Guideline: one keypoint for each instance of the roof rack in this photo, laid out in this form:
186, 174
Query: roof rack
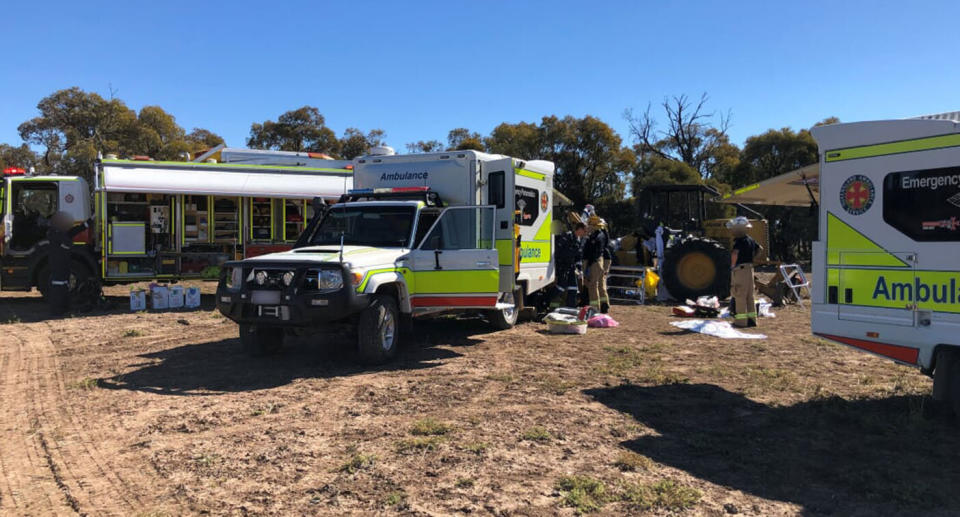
424, 194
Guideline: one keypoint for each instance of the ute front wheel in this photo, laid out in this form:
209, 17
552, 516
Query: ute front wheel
260, 340
378, 330
504, 319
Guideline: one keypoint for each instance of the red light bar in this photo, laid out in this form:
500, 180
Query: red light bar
14, 171
410, 189
348, 167
141, 158
320, 155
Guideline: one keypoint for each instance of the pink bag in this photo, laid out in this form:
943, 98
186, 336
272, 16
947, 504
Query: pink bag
602, 321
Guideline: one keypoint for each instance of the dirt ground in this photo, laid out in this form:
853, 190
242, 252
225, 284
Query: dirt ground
157, 414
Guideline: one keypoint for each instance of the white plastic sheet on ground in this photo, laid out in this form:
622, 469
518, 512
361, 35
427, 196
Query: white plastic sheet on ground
721, 329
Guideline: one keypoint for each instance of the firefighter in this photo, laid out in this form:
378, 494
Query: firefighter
60, 235
741, 265
569, 258
593, 259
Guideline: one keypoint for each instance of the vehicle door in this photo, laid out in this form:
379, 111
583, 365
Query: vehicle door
455, 266
498, 180
31, 205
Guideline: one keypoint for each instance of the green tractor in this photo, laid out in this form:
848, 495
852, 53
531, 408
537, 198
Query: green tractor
696, 257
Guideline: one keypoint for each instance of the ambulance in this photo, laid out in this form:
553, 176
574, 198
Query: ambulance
418, 235
887, 262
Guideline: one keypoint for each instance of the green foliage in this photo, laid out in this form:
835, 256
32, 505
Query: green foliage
301, 130
357, 462
632, 462
772, 153
430, 427
355, 143
425, 146
664, 494
74, 125
583, 493
537, 433
461, 139
22, 156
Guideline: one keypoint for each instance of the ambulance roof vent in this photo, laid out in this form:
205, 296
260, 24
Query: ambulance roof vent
381, 150
950, 115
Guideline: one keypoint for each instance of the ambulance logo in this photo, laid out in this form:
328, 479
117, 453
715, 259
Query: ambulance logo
543, 201
857, 194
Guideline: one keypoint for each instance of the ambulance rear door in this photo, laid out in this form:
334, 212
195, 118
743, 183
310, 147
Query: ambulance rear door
497, 180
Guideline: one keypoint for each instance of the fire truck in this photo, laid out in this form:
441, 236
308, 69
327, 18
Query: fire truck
160, 220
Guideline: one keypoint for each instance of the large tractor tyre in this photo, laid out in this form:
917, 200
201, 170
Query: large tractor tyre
504, 319
378, 330
80, 283
261, 340
697, 267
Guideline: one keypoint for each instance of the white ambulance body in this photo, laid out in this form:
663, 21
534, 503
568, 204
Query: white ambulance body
887, 263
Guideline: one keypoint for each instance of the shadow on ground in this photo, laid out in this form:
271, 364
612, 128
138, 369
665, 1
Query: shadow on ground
831, 456
32, 308
220, 366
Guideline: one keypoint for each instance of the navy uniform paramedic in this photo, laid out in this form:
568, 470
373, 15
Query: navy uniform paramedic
741, 263
593, 257
60, 235
569, 257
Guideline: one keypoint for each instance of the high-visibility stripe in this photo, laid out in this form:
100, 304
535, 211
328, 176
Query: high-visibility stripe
848, 247
900, 353
902, 146
453, 301
534, 252
938, 291
505, 251
530, 174
370, 273
545, 230
455, 281
742, 190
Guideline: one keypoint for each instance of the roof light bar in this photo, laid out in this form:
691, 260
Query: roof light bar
14, 171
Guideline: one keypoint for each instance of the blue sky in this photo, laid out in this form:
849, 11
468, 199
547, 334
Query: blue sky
418, 69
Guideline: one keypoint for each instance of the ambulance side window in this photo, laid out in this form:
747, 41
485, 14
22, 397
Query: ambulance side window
924, 205
462, 228
496, 189
423, 226
528, 203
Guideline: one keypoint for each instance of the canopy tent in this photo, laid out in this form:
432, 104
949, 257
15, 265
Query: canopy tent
560, 200
224, 179
799, 187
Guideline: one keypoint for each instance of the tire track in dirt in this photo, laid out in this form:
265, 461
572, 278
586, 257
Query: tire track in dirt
30, 487
65, 453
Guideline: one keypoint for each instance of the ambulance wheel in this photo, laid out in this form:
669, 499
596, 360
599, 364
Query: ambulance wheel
505, 318
378, 330
259, 340
696, 267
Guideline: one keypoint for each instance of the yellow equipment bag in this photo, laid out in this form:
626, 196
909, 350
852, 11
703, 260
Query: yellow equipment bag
650, 281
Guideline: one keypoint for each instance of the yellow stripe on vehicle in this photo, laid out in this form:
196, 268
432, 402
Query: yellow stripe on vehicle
534, 252
530, 174
848, 247
938, 291
545, 230
504, 252
455, 282
903, 146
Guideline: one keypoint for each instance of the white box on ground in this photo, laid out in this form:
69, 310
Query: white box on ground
159, 297
192, 297
176, 297
138, 300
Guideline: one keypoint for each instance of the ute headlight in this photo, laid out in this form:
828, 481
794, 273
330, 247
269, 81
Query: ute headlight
260, 277
329, 279
287, 278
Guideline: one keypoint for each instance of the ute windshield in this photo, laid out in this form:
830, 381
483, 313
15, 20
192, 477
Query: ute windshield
377, 226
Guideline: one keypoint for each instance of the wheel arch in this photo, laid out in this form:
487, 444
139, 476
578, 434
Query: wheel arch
391, 284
